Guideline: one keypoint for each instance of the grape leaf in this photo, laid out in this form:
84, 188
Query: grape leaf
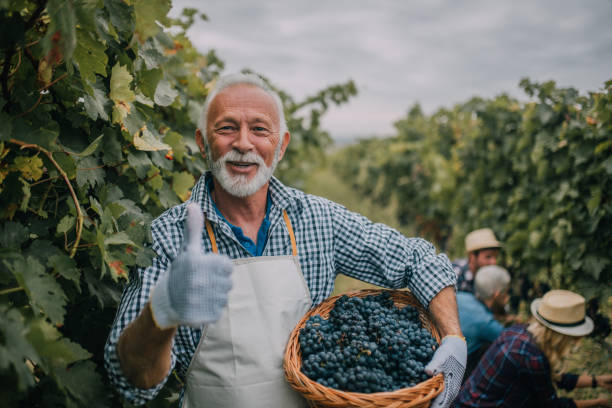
164, 93
175, 141
182, 183
148, 80
29, 166
12, 234
62, 27
167, 197
119, 238
120, 90
54, 350
148, 142
140, 162
594, 265
84, 384
65, 266
146, 14
89, 172
96, 105
66, 163
14, 348
90, 56
111, 147
42, 290
151, 53
65, 224
120, 14
89, 150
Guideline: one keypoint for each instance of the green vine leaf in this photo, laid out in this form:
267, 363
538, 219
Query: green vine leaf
90, 56
97, 103
12, 234
164, 93
147, 142
54, 350
14, 348
43, 291
147, 14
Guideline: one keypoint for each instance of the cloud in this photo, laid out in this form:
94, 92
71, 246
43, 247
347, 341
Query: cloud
436, 52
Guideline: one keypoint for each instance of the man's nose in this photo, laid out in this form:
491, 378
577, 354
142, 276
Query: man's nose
243, 142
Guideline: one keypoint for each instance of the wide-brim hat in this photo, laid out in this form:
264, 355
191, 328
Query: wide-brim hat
564, 312
481, 239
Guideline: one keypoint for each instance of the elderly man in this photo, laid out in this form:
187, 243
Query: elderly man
482, 248
286, 248
475, 311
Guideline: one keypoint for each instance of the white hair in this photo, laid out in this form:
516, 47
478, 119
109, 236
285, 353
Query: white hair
235, 79
490, 279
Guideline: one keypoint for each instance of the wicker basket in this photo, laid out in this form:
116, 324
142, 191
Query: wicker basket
318, 395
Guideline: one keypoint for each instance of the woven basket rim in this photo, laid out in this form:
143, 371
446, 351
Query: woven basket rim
319, 395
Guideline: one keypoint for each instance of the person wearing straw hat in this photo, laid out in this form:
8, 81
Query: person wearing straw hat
519, 368
240, 263
482, 248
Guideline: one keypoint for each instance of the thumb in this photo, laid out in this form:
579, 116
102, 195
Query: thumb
194, 222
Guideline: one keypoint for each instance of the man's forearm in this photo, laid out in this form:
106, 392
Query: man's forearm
145, 351
443, 308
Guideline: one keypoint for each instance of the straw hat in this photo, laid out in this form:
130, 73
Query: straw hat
564, 312
481, 239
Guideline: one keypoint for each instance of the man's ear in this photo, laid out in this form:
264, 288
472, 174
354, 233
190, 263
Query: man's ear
199, 138
285, 143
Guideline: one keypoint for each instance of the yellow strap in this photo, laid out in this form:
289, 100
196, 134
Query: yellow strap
211, 235
291, 235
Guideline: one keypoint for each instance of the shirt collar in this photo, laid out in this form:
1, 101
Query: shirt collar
281, 197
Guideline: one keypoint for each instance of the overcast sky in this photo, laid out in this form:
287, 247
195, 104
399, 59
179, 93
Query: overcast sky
435, 52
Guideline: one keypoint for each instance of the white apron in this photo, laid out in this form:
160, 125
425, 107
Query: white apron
239, 360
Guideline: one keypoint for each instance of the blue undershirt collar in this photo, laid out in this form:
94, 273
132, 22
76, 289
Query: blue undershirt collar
246, 242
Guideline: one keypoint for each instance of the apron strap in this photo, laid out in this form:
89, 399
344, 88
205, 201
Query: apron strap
291, 235
213, 241
211, 235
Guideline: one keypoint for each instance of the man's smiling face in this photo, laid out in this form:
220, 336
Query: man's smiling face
244, 144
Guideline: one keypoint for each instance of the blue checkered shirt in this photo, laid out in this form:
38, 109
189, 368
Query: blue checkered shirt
330, 240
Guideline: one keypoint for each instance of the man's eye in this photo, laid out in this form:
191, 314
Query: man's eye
260, 130
225, 129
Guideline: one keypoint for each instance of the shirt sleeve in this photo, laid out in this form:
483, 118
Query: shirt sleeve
490, 329
378, 254
543, 391
568, 381
133, 300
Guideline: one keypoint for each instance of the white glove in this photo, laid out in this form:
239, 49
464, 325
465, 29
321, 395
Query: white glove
194, 289
450, 359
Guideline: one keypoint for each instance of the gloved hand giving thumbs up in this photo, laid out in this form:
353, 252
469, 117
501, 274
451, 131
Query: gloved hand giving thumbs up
193, 291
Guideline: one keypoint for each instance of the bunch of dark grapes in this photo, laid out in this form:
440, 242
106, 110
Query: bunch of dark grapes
366, 345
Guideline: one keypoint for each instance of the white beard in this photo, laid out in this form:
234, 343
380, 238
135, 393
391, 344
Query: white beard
239, 185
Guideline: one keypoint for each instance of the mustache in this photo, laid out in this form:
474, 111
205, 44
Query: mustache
249, 157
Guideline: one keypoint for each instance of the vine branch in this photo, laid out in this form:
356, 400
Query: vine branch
79, 221
10, 290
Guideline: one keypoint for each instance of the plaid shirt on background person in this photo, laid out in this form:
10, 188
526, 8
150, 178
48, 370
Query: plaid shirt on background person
514, 373
330, 240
